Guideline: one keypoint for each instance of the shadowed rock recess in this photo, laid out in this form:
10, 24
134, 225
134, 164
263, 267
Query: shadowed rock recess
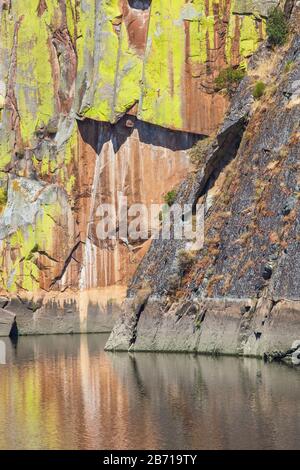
100, 100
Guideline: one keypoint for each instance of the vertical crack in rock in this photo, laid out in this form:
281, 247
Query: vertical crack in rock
11, 100
66, 264
42, 7
136, 322
67, 62
14, 333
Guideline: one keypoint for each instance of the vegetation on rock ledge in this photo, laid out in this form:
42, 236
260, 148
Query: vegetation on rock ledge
259, 90
229, 79
277, 27
3, 198
199, 150
170, 197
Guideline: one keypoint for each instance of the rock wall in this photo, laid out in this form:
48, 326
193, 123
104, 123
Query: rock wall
240, 294
7, 322
97, 101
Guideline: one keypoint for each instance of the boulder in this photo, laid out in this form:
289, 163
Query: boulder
7, 322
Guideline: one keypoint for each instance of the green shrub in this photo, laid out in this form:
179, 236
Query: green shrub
277, 27
3, 198
229, 78
259, 90
289, 66
170, 197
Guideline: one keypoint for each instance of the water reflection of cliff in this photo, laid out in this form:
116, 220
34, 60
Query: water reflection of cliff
65, 392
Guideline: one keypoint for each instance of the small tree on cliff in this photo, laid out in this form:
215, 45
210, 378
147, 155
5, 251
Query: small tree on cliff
229, 79
277, 27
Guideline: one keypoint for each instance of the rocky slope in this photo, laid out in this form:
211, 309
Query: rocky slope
100, 99
240, 293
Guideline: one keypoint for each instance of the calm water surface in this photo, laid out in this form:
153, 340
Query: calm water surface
65, 392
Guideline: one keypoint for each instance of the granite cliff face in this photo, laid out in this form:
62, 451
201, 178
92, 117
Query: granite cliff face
240, 293
97, 100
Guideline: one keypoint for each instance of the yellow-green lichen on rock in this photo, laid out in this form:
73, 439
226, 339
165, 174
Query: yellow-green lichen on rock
29, 227
196, 30
34, 82
177, 31
3, 197
117, 68
164, 65
112, 75
100, 96
65, 60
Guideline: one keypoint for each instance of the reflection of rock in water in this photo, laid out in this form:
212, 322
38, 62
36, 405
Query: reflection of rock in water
211, 402
68, 393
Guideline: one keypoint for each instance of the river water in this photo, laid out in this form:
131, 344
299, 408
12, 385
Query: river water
65, 392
